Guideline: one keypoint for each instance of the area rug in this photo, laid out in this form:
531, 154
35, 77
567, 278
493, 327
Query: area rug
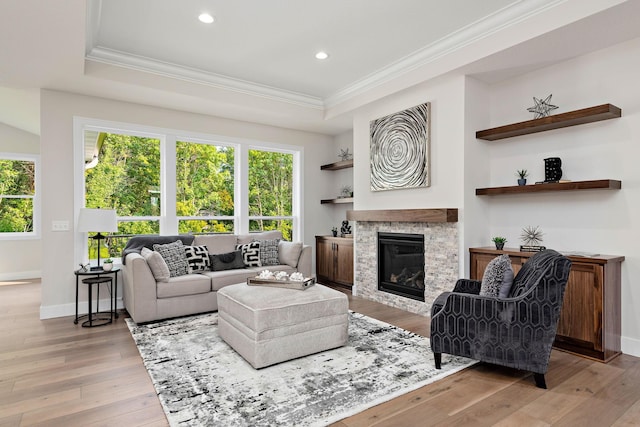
201, 381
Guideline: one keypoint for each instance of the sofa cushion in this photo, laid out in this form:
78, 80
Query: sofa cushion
217, 243
228, 261
156, 263
265, 235
189, 284
220, 279
174, 256
198, 258
289, 253
250, 254
269, 252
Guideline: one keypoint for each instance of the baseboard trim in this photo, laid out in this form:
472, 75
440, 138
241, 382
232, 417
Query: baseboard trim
64, 310
21, 275
630, 346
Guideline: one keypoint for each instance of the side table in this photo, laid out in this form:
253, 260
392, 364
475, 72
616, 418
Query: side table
97, 277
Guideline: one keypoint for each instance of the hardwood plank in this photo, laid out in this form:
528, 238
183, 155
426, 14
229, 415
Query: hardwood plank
98, 379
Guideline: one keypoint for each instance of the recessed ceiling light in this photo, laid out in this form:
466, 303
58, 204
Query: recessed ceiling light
322, 55
206, 18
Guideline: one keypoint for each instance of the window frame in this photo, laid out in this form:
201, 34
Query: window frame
168, 141
36, 233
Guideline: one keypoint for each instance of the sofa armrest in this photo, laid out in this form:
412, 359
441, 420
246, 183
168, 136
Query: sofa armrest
304, 262
140, 290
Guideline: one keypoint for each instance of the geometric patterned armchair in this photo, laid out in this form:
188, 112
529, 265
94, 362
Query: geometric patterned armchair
517, 331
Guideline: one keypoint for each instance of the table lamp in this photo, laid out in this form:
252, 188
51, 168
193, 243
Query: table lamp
97, 220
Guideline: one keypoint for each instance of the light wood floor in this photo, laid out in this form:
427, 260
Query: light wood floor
53, 372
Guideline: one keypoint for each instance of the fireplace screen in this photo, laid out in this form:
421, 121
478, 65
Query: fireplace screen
401, 264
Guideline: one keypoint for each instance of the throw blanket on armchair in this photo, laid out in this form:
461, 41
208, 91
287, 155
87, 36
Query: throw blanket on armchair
136, 243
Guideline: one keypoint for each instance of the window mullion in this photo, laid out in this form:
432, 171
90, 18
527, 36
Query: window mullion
168, 220
241, 200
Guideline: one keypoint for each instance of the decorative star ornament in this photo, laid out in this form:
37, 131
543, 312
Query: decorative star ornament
531, 235
542, 108
346, 155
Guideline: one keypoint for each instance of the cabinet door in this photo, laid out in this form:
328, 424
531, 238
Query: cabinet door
344, 263
324, 259
581, 315
479, 263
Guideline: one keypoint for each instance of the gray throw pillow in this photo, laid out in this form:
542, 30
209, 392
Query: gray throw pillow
250, 254
228, 261
289, 253
269, 252
494, 276
157, 265
173, 254
198, 258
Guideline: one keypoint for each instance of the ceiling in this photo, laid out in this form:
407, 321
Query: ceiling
256, 61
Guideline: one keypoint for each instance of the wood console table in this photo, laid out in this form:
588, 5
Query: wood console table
589, 322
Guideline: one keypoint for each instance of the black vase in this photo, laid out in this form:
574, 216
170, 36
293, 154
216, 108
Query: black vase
552, 169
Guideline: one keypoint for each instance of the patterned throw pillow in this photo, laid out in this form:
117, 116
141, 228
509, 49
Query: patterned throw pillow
250, 254
197, 257
494, 276
269, 252
228, 261
173, 254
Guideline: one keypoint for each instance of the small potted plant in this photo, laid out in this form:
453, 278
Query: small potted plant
522, 176
334, 231
499, 241
107, 264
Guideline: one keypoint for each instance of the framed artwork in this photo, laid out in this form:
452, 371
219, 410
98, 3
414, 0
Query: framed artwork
399, 149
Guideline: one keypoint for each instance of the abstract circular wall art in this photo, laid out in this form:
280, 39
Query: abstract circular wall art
400, 149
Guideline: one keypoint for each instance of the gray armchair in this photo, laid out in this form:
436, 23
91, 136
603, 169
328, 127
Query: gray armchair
517, 331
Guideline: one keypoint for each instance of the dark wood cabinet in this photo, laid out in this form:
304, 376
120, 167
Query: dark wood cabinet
590, 321
334, 260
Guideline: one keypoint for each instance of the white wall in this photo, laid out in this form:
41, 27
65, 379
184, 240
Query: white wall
57, 112
598, 221
19, 259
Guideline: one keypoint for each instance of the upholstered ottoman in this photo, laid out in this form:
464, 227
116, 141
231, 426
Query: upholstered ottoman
268, 325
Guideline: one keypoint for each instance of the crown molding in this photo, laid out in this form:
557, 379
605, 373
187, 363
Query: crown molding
473, 32
139, 63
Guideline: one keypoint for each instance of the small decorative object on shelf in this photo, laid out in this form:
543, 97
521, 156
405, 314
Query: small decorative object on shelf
346, 191
345, 230
531, 237
499, 241
107, 265
542, 107
552, 169
522, 176
345, 154
334, 231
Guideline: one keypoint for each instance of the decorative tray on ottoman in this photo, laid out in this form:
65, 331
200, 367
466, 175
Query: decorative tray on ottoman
284, 282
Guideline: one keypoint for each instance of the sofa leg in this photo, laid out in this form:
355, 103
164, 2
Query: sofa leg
540, 382
437, 357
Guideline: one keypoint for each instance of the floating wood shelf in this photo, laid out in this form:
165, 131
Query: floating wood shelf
337, 165
405, 215
338, 200
601, 184
571, 118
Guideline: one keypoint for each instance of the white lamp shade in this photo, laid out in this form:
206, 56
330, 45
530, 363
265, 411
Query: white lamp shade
97, 220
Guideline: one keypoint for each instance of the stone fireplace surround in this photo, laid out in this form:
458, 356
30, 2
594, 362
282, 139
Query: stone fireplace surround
440, 230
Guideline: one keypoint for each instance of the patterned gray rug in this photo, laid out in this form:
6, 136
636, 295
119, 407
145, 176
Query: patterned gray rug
201, 381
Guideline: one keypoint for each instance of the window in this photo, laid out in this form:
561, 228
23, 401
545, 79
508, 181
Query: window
204, 188
18, 196
162, 183
122, 172
271, 191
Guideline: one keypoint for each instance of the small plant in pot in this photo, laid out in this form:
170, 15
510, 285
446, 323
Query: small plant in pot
522, 176
334, 231
107, 264
499, 242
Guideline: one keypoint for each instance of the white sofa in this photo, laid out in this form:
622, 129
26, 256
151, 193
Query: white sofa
147, 300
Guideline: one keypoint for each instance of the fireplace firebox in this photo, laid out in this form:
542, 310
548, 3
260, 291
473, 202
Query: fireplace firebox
401, 264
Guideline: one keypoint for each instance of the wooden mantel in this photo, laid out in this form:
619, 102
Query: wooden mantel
405, 215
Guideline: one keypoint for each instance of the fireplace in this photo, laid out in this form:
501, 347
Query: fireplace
401, 264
